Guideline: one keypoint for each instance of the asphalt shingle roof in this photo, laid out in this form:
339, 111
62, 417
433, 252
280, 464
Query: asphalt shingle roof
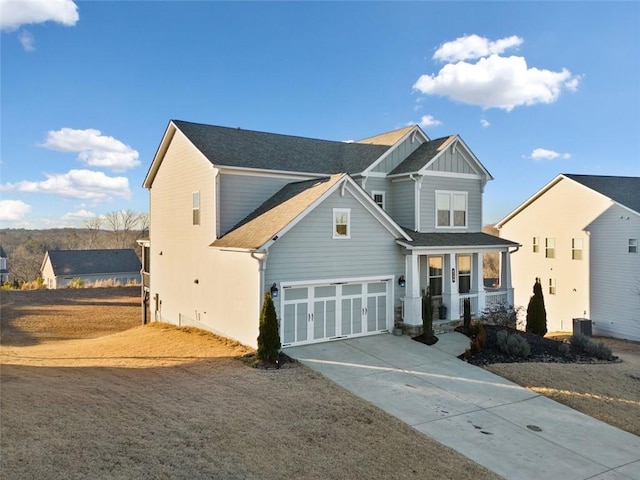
275, 213
623, 190
235, 147
91, 262
421, 156
472, 239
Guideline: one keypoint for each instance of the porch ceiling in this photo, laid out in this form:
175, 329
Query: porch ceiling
462, 239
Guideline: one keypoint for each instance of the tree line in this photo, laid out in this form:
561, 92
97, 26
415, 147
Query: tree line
25, 248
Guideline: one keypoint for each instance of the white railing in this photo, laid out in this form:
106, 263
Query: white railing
493, 298
474, 303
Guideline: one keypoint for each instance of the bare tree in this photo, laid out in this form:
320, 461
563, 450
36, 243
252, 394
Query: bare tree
93, 225
143, 224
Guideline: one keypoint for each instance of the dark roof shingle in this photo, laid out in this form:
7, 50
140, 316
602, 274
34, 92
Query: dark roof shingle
622, 190
91, 262
420, 157
235, 147
471, 239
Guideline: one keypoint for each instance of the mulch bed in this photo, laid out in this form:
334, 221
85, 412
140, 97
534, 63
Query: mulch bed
543, 349
284, 361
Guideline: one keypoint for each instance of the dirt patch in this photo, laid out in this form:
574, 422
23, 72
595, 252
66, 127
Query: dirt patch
88, 393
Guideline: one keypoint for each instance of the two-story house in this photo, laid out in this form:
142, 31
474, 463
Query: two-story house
346, 236
580, 236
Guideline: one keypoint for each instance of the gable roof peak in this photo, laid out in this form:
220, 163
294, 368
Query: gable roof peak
392, 137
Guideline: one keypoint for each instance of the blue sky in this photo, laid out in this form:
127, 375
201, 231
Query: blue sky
87, 88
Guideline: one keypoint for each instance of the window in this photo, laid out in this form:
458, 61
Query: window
464, 273
378, 197
576, 249
633, 245
341, 223
435, 275
196, 208
451, 209
550, 247
552, 286
536, 244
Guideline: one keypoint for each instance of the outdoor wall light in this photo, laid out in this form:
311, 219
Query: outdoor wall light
402, 281
274, 291
453, 275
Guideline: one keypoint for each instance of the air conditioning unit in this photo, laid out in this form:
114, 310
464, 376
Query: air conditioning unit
582, 325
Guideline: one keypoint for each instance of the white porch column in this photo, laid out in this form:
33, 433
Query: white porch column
412, 298
505, 275
450, 287
478, 271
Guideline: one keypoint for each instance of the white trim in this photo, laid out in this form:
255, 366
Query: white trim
394, 147
436, 173
384, 197
451, 225
450, 249
341, 211
261, 172
375, 174
457, 141
334, 281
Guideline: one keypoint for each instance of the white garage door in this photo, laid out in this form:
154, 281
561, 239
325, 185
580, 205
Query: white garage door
321, 312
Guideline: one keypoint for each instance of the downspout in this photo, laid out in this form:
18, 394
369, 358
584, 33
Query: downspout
416, 200
262, 267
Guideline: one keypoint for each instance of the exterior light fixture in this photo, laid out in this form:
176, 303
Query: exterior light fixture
402, 281
453, 275
274, 291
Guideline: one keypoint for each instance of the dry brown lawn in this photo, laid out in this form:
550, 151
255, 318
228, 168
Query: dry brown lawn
86, 392
607, 391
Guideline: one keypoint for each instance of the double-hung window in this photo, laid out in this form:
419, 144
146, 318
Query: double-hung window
576, 249
435, 275
464, 273
451, 209
550, 247
341, 223
633, 245
378, 197
536, 244
196, 208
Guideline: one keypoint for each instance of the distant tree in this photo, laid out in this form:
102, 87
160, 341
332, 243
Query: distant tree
143, 224
94, 225
536, 312
268, 337
122, 223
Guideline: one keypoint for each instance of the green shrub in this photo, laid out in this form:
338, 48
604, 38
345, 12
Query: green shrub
513, 344
598, 350
536, 312
564, 349
501, 315
269, 337
427, 315
467, 314
579, 340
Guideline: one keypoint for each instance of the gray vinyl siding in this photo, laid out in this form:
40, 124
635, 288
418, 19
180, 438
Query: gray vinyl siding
308, 252
402, 203
428, 202
452, 162
242, 194
398, 155
615, 277
379, 184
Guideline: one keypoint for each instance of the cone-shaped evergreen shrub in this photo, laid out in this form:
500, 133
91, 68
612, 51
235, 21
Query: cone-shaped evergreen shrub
427, 315
536, 313
268, 338
466, 314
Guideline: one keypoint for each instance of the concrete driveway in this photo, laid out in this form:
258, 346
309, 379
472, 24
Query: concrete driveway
510, 430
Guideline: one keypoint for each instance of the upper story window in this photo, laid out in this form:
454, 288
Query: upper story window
576, 249
378, 197
536, 244
633, 245
341, 223
196, 208
550, 247
451, 209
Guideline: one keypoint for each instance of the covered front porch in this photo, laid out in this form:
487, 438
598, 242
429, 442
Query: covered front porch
451, 266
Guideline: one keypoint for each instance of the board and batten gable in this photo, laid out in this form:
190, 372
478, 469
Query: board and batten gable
240, 194
308, 252
402, 202
561, 213
193, 284
399, 153
432, 184
453, 160
615, 274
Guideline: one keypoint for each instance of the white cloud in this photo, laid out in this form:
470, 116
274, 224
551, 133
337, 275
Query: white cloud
545, 154
13, 210
81, 214
484, 122
474, 46
27, 41
14, 13
429, 121
83, 184
93, 148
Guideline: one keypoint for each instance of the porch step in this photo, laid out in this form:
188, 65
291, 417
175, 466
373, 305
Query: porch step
445, 326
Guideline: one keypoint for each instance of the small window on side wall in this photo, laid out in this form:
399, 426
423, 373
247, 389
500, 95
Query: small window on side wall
552, 286
378, 197
550, 247
196, 208
341, 223
536, 244
633, 245
576, 249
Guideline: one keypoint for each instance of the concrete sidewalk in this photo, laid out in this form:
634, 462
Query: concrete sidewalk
510, 430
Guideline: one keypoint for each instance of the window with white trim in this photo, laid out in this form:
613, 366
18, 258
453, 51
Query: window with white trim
378, 197
464, 273
550, 247
196, 208
633, 245
552, 286
451, 209
576, 249
341, 223
536, 244
435, 275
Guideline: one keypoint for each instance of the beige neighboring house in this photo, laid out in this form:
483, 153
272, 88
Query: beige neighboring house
579, 235
60, 268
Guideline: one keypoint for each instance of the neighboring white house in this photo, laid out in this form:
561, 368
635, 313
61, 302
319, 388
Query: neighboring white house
580, 236
60, 268
345, 236
4, 272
